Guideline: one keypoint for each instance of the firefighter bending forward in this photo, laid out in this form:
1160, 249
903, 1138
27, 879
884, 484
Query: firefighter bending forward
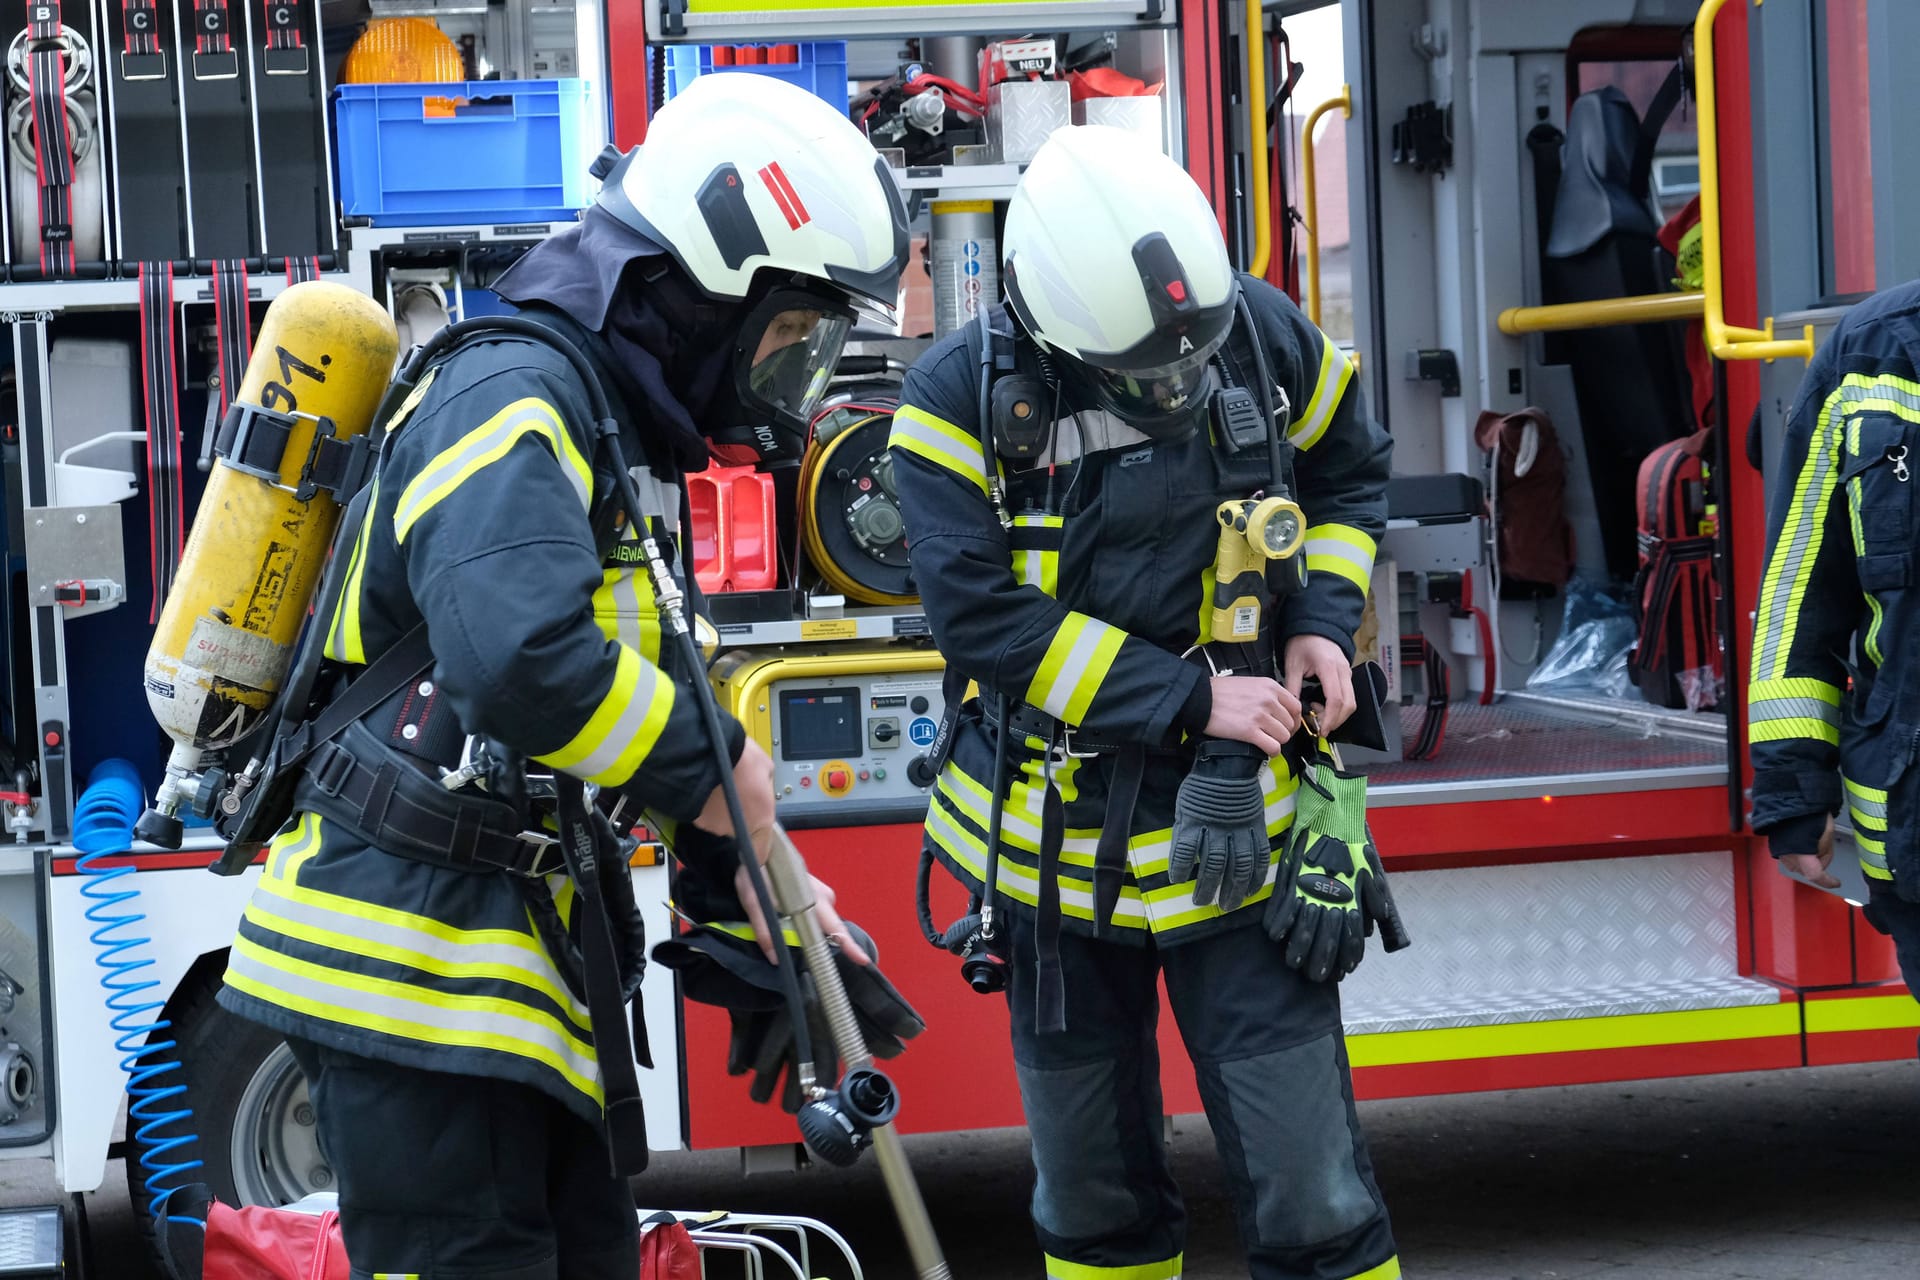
433, 995
1069, 584
1839, 601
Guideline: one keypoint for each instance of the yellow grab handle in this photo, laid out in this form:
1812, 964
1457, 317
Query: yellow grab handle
1309, 196
1726, 341
1262, 175
1600, 313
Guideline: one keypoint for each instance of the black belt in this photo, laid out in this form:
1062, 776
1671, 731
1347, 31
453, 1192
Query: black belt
399, 810
53, 142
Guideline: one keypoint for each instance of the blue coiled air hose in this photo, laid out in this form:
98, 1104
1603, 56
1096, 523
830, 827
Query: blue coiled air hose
103, 828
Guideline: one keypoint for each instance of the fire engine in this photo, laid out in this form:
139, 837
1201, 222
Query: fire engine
1475, 213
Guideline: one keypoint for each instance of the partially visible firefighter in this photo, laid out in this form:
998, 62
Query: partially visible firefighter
1075, 470
419, 942
1833, 709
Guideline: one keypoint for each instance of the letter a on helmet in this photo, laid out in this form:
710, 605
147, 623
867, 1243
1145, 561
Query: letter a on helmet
1113, 259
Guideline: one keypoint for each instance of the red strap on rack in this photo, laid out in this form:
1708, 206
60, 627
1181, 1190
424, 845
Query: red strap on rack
159, 383
232, 325
286, 52
299, 269
211, 31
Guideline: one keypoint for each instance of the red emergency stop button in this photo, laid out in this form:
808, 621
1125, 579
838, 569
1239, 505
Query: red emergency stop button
836, 778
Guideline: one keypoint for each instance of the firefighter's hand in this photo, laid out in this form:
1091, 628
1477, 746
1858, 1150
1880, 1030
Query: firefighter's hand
1254, 710
1812, 867
753, 777
823, 911
1322, 659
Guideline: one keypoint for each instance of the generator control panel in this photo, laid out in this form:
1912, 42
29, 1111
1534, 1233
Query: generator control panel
849, 733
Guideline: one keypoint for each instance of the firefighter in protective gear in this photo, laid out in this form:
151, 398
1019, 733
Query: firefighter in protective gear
430, 983
1833, 707
1069, 585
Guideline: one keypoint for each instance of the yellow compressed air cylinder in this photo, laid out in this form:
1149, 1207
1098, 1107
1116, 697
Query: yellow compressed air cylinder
253, 558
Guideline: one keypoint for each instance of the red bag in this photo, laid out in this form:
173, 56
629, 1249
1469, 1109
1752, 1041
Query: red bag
667, 1251
258, 1243
1677, 661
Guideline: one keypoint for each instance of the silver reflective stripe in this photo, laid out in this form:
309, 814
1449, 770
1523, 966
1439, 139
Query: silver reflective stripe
536, 417
1086, 433
459, 1021
1794, 709
1021, 883
620, 735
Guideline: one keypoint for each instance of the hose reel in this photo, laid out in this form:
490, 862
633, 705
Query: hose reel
850, 521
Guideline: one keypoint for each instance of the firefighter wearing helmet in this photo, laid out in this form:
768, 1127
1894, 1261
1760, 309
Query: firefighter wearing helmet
1117, 799
426, 963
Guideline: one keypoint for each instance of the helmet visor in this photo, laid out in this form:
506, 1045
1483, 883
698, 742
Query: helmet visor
1161, 392
791, 355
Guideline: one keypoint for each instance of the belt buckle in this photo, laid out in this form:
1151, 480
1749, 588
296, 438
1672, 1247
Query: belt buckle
542, 844
1066, 746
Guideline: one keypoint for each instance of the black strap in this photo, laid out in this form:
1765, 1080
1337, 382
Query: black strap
160, 384
1110, 854
391, 803
232, 325
625, 1121
302, 269
1664, 101
52, 140
1050, 984
213, 54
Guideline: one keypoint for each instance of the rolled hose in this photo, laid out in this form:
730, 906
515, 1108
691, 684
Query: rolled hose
103, 828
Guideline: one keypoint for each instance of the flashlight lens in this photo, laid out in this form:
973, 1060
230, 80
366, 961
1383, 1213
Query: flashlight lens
1279, 531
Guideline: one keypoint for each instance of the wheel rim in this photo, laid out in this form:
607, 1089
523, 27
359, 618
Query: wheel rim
275, 1153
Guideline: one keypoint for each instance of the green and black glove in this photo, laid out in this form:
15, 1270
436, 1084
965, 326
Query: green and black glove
721, 964
1331, 889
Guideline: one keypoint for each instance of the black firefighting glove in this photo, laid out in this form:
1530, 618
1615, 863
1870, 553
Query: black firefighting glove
1331, 889
1220, 824
721, 964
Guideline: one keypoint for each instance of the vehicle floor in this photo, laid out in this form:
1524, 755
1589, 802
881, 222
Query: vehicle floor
1805, 1174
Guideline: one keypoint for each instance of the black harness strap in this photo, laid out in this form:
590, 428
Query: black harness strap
584, 845
232, 326
52, 140
159, 381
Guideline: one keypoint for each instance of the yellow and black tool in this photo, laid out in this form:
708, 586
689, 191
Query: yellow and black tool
1255, 534
226, 636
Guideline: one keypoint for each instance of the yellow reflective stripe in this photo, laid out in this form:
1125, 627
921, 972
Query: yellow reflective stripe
744, 932
1076, 664
623, 728
293, 847
1790, 566
1061, 1269
1388, 1270
1793, 729
1038, 566
1863, 1013
624, 609
1328, 388
405, 949
1865, 824
1793, 707
1019, 882
1872, 642
1019, 818
486, 444
344, 642
396, 1275
941, 443
1341, 549
412, 1013
1624, 1031
1871, 800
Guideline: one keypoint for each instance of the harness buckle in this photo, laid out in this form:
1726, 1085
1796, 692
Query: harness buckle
543, 846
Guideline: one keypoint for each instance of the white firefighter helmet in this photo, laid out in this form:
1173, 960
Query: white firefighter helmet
743, 174
1114, 260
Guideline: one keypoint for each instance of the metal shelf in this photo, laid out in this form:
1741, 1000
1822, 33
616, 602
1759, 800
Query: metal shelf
378, 239
962, 181
727, 21
52, 297
849, 625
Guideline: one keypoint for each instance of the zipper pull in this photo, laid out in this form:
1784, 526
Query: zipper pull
1897, 455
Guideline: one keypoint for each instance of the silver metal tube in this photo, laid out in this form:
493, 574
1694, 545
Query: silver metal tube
793, 893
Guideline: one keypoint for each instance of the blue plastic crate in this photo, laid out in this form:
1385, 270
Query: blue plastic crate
510, 151
821, 70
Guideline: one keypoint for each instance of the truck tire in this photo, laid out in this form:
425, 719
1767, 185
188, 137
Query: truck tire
256, 1138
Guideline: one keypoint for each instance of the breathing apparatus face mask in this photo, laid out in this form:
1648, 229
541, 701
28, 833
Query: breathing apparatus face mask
784, 357
1164, 401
